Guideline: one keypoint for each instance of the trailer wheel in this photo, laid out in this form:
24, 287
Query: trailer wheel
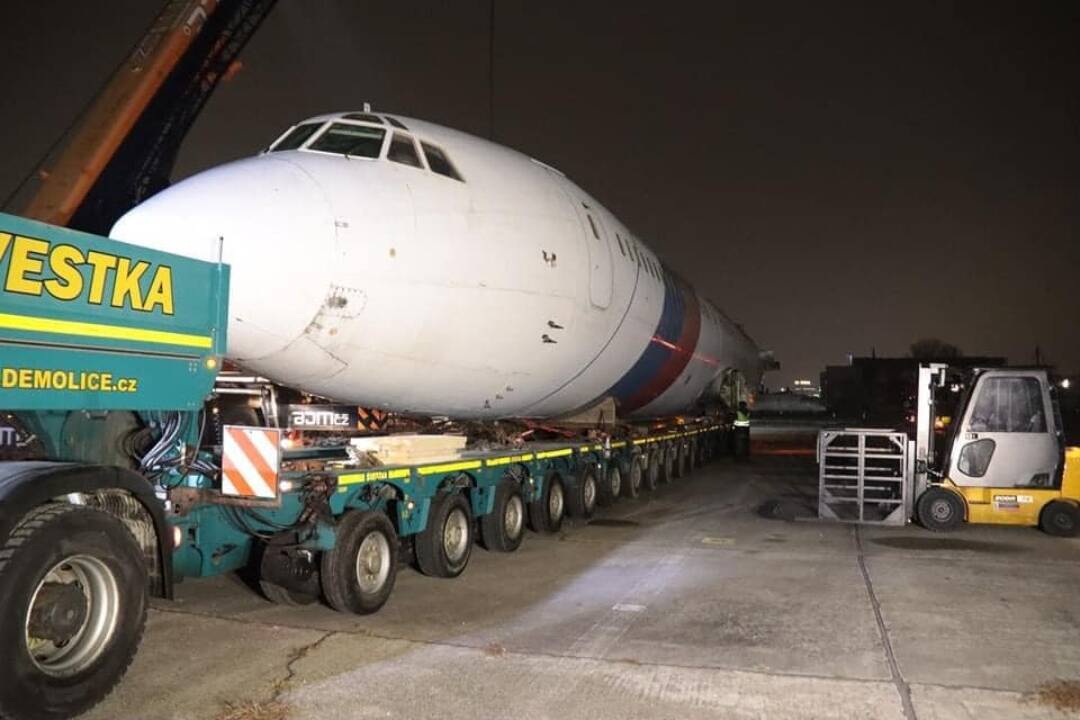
940, 510
1060, 519
667, 468
632, 487
608, 491
581, 501
546, 513
358, 574
444, 547
503, 529
678, 453
651, 478
73, 598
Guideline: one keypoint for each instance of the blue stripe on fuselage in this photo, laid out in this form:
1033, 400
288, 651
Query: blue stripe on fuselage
655, 354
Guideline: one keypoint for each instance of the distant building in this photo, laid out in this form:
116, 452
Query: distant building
881, 391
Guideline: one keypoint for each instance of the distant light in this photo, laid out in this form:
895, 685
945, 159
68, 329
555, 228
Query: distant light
803, 383
1066, 383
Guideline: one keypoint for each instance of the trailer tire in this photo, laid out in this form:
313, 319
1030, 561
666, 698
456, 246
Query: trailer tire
940, 510
679, 458
98, 572
546, 513
581, 500
667, 468
609, 490
1060, 519
358, 573
284, 596
444, 547
632, 487
503, 529
651, 477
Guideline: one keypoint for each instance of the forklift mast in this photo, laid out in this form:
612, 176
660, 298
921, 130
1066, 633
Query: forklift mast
123, 148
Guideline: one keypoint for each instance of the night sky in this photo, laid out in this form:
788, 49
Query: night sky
836, 176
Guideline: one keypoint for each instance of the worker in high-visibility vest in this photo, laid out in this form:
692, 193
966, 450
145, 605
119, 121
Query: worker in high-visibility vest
741, 431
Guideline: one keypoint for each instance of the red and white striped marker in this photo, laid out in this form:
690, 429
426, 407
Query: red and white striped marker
251, 459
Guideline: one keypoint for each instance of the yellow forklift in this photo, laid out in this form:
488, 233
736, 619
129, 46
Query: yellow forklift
988, 447
1004, 460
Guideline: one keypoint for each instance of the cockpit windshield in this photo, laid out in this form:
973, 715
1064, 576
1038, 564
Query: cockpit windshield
296, 137
352, 140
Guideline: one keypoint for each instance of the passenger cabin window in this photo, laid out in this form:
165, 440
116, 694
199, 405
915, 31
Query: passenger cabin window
363, 117
1009, 404
296, 137
403, 150
351, 140
622, 248
396, 123
440, 163
592, 224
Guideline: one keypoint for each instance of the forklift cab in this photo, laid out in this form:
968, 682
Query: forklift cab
1005, 462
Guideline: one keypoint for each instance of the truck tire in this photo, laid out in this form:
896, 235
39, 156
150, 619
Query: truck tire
358, 573
581, 500
445, 545
678, 453
692, 457
632, 487
546, 513
284, 596
503, 529
1060, 519
608, 492
651, 477
73, 598
940, 510
667, 464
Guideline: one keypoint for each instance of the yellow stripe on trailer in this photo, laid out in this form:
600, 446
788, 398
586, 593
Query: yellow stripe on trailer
372, 476
96, 330
449, 467
508, 460
619, 444
554, 453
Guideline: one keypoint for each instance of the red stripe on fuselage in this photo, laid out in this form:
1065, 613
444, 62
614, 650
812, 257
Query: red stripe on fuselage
680, 357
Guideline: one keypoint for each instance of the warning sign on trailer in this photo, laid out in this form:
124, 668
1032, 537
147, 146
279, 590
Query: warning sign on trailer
250, 462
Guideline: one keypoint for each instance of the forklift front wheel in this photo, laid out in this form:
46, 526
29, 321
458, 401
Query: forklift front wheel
940, 510
1060, 518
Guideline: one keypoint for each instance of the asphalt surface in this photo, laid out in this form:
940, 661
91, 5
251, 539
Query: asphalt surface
687, 603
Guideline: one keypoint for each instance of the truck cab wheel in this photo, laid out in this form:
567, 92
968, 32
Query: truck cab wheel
546, 513
73, 598
503, 529
358, 574
940, 510
444, 547
581, 500
632, 487
608, 491
1059, 518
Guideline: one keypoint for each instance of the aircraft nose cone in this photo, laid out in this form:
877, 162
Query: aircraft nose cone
270, 222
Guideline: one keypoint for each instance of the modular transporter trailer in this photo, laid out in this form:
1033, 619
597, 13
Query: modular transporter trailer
113, 487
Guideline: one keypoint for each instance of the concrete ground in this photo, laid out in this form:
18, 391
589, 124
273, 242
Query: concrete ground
684, 604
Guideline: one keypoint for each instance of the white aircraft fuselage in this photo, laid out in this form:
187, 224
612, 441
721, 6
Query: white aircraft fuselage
421, 269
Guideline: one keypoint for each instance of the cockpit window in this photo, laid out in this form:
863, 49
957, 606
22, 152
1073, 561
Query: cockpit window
439, 163
363, 117
296, 137
396, 123
351, 140
403, 150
